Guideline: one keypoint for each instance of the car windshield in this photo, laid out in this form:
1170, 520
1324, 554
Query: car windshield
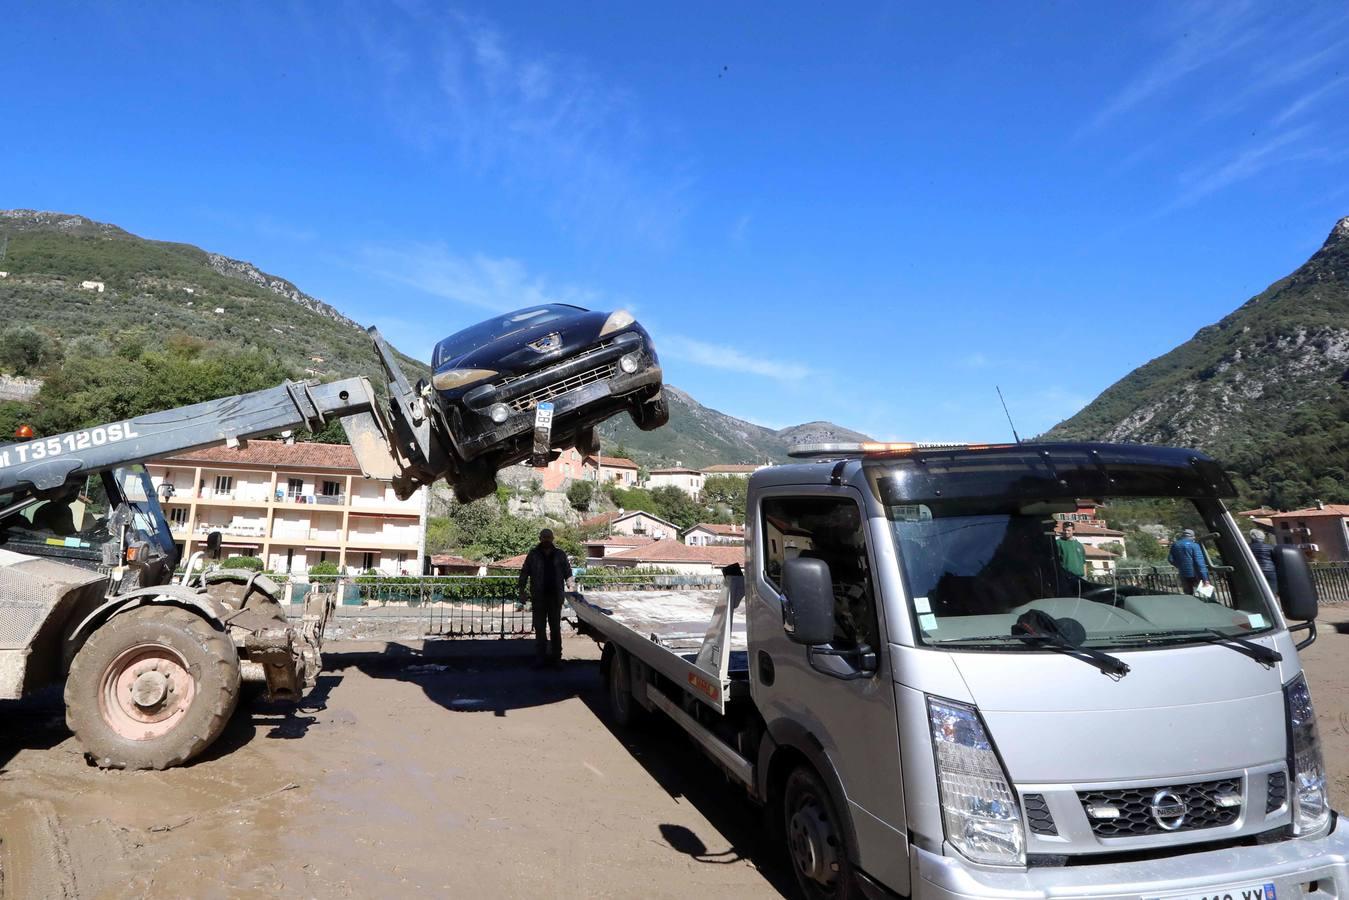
1112, 572
456, 345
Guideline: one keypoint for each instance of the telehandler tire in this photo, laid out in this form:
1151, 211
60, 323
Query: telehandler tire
151, 689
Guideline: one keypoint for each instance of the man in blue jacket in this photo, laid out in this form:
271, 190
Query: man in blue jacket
1188, 558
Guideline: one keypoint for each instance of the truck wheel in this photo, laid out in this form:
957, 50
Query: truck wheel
652, 414
814, 834
621, 702
151, 689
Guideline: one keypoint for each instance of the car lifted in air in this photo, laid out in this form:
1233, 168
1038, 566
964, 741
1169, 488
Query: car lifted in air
513, 386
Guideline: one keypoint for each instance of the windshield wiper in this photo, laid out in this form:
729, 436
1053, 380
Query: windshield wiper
1259, 652
1047, 634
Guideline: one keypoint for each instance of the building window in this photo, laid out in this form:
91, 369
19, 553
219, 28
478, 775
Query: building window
294, 487
367, 561
178, 515
224, 484
332, 489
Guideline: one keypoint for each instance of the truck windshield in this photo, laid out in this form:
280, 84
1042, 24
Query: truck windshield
1113, 572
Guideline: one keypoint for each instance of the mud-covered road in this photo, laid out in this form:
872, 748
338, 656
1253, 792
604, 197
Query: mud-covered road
423, 771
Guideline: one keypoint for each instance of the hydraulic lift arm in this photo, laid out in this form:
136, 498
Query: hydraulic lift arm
385, 447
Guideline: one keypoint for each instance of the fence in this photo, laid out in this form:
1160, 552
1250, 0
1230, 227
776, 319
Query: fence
1331, 578
464, 605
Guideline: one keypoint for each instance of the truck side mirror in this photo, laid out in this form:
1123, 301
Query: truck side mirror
1297, 588
808, 613
213, 544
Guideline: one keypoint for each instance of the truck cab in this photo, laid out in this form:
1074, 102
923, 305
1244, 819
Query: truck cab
980, 714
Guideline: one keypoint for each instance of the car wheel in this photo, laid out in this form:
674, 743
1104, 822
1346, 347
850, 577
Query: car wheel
476, 479
652, 414
815, 844
587, 442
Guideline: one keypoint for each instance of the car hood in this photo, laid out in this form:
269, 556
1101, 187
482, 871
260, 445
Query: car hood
511, 354
1180, 710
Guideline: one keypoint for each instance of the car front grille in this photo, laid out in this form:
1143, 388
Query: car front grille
526, 402
1276, 792
1039, 818
1128, 812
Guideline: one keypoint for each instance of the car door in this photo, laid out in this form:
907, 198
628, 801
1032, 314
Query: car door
839, 696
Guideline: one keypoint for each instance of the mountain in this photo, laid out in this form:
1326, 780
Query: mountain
698, 436
1266, 389
153, 290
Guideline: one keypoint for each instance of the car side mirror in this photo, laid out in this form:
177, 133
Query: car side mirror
1297, 587
808, 613
213, 544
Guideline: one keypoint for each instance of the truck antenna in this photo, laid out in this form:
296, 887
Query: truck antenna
1007, 413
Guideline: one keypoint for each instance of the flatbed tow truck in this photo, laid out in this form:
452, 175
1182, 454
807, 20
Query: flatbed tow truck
152, 662
929, 699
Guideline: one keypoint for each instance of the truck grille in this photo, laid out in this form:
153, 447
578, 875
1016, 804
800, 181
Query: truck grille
1038, 815
1128, 812
526, 402
1277, 792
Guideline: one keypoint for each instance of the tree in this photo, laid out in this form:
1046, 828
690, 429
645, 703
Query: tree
439, 532
25, 350
673, 505
726, 491
579, 495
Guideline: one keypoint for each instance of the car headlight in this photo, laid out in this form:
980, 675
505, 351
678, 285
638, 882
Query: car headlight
457, 378
979, 811
1311, 806
616, 321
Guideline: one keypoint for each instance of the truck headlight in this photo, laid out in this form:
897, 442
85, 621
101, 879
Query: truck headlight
457, 378
979, 811
620, 319
1311, 806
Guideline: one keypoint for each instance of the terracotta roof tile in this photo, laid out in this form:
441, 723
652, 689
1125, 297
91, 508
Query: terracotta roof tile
1331, 509
613, 462
275, 454
726, 529
675, 551
444, 559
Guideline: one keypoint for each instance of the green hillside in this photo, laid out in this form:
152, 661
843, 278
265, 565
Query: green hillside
1266, 389
698, 436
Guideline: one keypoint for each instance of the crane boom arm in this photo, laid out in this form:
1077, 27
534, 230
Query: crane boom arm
48, 463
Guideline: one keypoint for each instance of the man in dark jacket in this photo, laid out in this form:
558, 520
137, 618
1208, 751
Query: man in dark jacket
1188, 558
547, 571
1264, 558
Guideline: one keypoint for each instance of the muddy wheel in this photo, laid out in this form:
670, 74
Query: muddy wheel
230, 587
151, 689
621, 702
476, 479
815, 844
587, 442
653, 414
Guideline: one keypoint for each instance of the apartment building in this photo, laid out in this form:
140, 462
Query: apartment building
292, 505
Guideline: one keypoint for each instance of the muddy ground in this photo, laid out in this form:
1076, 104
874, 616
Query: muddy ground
403, 778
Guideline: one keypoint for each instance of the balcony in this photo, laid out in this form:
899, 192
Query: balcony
232, 528
311, 499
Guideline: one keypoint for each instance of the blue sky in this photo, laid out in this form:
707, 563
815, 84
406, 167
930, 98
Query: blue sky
865, 213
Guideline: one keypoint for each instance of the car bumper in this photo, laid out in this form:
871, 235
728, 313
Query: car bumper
601, 389
1292, 866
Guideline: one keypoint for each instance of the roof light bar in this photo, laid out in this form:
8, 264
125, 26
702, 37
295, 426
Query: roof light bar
877, 448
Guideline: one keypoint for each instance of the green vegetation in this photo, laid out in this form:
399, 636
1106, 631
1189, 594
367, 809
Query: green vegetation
324, 567
1265, 390
725, 495
249, 563
579, 494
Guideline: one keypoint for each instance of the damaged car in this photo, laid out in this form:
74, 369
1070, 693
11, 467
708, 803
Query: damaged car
517, 385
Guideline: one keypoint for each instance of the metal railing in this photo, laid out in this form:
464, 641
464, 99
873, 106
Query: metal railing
1332, 581
462, 606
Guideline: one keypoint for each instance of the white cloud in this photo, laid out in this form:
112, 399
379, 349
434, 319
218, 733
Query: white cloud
536, 122
494, 283
721, 356
1280, 148
1307, 100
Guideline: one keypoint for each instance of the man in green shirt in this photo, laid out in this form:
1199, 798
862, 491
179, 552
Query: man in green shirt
1072, 555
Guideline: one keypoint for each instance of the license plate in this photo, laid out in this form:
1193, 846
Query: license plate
1245, 892
543, 433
